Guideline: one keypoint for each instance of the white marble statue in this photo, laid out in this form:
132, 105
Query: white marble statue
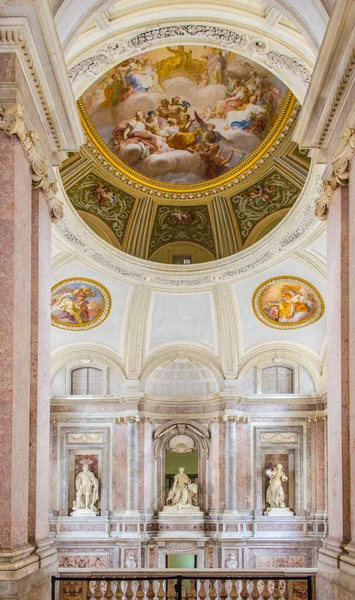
130, 562
275, 496
231, 562
182, 493
87, 492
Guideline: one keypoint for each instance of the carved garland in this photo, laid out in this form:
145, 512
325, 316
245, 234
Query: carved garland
340, 173
12, 123
108, 55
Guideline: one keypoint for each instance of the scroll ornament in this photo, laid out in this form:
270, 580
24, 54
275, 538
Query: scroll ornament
340, 174
12, 123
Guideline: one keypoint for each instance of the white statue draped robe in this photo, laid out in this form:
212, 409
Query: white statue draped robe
182, 493
275, 496
87, 491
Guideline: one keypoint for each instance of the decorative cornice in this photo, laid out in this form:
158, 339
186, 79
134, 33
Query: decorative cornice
16, 36
340, 173
12, 123
109, 55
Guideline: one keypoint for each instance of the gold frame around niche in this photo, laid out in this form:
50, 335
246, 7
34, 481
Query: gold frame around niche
92, 134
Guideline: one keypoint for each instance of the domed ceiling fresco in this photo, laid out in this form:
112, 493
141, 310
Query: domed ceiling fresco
185, 114
188, 156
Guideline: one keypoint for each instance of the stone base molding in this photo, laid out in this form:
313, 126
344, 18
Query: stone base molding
25, 573
12, 123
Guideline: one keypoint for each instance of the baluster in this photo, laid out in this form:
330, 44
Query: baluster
255, 594
283, 588
212, 594
160, 592
109, 593
103, 589
98, 593
202, 594
233, 594
266, 594
140, 591
129, 592
191, 594
119, 592
183, 591
150, 591
223, 594
276, 595
171, 595
91, 590
244, 594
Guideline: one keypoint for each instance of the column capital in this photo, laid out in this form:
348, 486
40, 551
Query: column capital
340, 173
12, 123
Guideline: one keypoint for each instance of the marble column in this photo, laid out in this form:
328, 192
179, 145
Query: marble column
231, 465
336, 562
27, 556
319, 466
39, 451
149, 475
243, 469
132, 464
214, 470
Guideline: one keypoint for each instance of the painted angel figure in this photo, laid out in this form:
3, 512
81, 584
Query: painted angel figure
275, 495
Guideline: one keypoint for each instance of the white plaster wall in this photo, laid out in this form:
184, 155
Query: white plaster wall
111, 331
179, 318
306, 383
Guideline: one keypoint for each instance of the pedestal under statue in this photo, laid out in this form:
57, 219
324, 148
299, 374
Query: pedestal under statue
275, 495
87, 494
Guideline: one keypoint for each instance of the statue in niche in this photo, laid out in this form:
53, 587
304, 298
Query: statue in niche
231, 562
274, 494
130, 562
87, 492
183, 493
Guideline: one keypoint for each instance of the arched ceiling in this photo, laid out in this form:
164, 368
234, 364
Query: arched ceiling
208, 306
81, 25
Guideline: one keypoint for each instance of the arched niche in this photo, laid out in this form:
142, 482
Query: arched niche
201, 444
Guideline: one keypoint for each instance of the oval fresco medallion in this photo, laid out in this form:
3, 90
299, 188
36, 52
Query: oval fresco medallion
287, 303
185, 114
79, 304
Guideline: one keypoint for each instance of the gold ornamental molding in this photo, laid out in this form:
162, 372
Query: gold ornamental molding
12, 123
340, 173
239, 174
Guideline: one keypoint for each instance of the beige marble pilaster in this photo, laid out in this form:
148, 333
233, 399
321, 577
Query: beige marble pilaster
15, 324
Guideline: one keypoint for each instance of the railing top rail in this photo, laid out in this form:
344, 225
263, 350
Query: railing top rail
197, 573
186, 574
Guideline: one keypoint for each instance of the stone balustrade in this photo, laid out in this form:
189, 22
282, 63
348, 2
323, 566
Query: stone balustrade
184, 584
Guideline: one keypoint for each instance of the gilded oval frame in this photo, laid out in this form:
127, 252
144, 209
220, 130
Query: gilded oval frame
100, 318
259, 311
